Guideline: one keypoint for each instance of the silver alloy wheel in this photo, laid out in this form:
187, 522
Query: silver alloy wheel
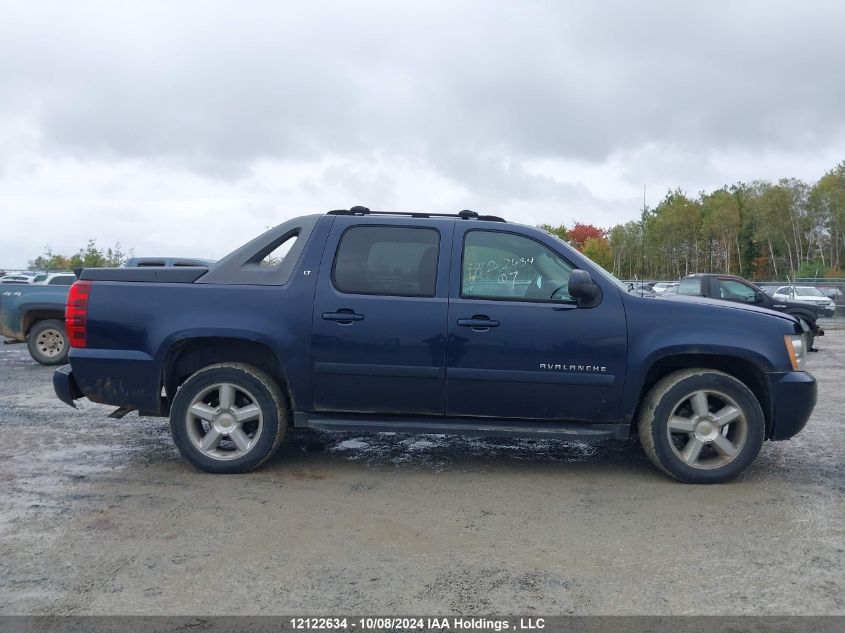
50, 343
707, 429
224, 421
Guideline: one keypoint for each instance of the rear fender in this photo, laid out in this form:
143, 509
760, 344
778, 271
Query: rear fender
224, 344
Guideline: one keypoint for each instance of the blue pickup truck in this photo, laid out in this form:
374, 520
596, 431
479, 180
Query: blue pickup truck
35, 314
427, 323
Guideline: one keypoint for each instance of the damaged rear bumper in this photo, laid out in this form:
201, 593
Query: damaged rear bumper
65, 386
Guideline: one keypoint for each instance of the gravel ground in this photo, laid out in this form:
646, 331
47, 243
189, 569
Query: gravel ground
102, 516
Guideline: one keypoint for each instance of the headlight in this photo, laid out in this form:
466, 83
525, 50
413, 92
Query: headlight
796, 347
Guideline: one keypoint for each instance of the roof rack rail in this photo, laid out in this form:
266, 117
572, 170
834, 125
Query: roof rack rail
466, 214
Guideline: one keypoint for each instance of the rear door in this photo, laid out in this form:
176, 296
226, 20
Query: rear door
379, 323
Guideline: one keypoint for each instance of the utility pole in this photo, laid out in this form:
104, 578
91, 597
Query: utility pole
642, 253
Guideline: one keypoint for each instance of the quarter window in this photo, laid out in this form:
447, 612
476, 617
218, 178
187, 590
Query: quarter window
690, 286
387, 260
499, 265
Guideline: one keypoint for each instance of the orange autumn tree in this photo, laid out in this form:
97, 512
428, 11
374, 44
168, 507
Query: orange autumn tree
580, 233
593, 242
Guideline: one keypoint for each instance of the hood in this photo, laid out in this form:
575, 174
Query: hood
793, 303
724, 305
813, 300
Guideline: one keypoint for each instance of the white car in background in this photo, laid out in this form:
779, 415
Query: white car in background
807, 294
54, 279
16, 279
664, 287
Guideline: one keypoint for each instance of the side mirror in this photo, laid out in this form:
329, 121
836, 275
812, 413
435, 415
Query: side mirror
583, 288
759, 297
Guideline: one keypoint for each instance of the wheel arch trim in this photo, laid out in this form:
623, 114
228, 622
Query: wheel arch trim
748, 367
174, 346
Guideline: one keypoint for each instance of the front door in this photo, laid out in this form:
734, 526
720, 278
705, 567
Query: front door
379, 324
518, 345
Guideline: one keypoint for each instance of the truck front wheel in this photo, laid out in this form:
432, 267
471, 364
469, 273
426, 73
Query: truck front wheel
701, 426
228, 418
47, 342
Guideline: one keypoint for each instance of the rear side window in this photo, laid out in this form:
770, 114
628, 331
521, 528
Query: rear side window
691, 286
387, 260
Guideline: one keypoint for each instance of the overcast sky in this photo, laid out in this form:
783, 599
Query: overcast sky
185, 128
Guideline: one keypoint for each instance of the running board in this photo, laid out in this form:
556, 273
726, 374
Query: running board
462, 426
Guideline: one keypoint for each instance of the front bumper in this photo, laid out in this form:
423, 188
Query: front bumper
65, 386
793, 398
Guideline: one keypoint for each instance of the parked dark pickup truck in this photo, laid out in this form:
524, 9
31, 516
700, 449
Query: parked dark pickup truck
738, 290
35, 314
431, 324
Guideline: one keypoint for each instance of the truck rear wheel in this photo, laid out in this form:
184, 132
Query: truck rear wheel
701, 426
228, 418
47, 342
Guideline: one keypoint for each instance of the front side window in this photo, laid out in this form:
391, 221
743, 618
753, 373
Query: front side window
387, 260
500, 265
733, 290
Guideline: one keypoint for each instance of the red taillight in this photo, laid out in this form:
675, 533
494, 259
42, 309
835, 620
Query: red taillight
76, 313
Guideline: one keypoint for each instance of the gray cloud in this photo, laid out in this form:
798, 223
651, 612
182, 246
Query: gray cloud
472, 92
227, 83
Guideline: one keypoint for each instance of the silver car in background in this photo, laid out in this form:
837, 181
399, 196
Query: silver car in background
807, 294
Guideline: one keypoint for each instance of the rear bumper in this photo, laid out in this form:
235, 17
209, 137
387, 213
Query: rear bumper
793, 398
65, 386
123, 378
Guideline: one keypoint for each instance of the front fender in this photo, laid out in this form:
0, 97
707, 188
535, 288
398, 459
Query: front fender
660, 330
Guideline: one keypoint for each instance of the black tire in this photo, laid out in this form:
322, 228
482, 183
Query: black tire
48, 343
263, 390
670, 393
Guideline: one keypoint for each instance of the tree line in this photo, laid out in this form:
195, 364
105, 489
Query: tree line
758, 230
88, 256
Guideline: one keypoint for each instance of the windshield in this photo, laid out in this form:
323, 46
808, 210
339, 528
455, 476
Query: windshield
608, 275
809, 291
